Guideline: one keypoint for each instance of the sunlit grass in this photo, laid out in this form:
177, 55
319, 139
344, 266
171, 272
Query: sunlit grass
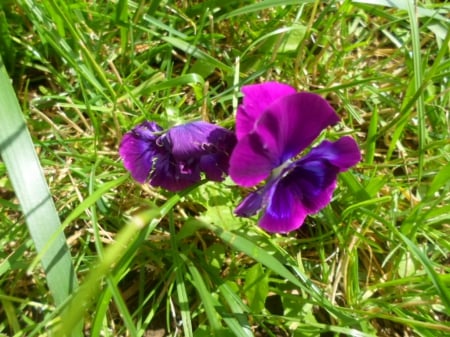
372, 263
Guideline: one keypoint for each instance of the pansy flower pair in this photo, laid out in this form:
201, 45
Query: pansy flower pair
274, 125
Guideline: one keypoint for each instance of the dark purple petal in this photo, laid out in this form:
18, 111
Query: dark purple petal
215, 166
250, 162
303, 190
292, 123
257, 99
221, 140
172, 175
175, 159
138, 149
343, 153
313, 178
198, 138
251, 204
313, 183
257, 200
284, 212
295, 193
204, 145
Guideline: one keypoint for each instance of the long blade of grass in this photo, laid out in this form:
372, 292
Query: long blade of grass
431, 72
372, 137
256, 7
111, 281
87, 67
90, 289
418, 80
437, 281
404, 5
208, 300
259, 254
237, 320
180, 281
195, 52
25, 172
118, 255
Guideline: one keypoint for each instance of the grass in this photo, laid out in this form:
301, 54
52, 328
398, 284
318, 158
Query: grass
372, 263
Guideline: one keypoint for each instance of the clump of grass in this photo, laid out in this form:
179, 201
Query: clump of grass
372, 263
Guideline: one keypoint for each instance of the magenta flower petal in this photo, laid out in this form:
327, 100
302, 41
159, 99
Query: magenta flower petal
274, 125
286, 128
138, 150
284, 212
302, 188
293, 122
343, 153
257, 99
251, 162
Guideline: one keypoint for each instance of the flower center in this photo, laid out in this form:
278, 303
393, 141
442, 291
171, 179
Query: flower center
281, 171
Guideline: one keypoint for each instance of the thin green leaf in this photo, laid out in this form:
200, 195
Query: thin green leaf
89, 290
259, 254
256, 287
25, 172
112, 282
152, 85
196, 52
183, 298
237, 322
418, 81
440, 285
404, 4
205, 294
118, 255
440, 180
256, 7
372, 137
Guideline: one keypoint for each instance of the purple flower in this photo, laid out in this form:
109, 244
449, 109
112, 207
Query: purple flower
274, 125
174, 159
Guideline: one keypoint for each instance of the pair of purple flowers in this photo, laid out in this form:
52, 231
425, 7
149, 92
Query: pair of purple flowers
274, 124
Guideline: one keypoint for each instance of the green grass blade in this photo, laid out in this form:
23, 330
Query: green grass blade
237, 322
89, 290
122, 16
404, 5
27, 178
418, 80
111, 281
372, 137
205, 294
435, 278
92, 199
180, 281
440, 180
259, 254
116, 255
256, 7
195, 52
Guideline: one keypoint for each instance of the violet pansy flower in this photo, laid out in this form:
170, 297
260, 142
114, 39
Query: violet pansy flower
274, 125
175, 159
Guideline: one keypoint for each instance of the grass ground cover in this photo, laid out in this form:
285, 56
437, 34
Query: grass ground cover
85, 250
